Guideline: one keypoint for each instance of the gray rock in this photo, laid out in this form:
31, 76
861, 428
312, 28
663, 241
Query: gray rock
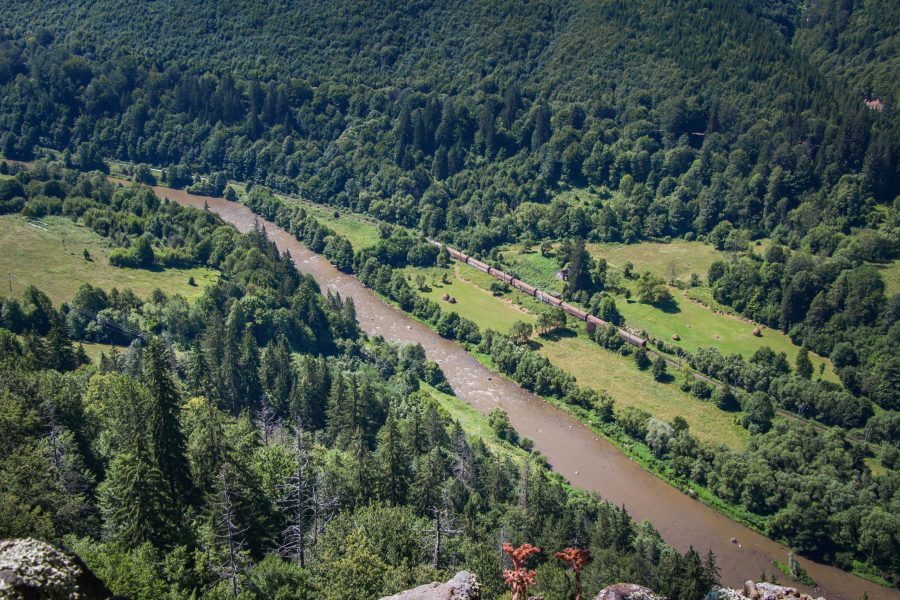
33, 569
463, 586
762, 591
627, 591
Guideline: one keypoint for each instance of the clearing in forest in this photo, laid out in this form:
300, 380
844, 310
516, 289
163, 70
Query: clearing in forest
50, 256
693, 315
592, 365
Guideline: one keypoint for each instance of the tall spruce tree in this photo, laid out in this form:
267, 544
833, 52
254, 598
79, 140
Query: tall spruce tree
167, 442
393, 464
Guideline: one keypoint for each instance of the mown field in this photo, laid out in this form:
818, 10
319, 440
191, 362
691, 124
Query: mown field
472, 300
590, 364
53, 260
597, 368
679, 257
689, 316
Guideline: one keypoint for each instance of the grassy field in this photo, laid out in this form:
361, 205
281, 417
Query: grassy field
603, 370
698, 326
694, 323
890, 272
590, 364
94, 350
535, 269
472, 300
53, 261
473, 422
659, 258
361, 231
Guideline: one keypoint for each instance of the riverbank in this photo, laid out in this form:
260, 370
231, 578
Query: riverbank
575, 451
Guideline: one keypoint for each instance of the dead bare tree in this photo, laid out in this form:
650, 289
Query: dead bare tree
230, 534
296, 495
442, 526
464, 465
266, 420
526, 483
323, 506
308, 502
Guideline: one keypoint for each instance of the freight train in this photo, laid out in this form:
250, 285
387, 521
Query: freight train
591, 321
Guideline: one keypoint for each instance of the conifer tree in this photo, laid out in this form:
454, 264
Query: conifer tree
58, 346
207, 447
804, 365
135, 503
199, 378
393, 466
167, 442
251, 388
278, 375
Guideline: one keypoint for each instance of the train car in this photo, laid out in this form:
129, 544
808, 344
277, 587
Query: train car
504, 277
632, 339
456, 254
553, 300
594, 322
575, 312
478, 264
521, 285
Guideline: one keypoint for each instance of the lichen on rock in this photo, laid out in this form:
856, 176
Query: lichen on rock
627, 591
33, 569
463, 586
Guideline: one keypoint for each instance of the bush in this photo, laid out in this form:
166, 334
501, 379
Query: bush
503, 429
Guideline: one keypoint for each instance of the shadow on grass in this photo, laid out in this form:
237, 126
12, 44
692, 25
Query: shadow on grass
558, 334
669, 307
667, 378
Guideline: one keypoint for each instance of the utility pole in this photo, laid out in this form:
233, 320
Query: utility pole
9, 277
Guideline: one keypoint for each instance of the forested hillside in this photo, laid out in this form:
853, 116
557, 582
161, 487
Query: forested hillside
483, 125
254, 444
710, 120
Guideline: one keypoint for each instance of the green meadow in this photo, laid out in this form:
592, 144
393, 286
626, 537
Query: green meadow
53, 260
473, 301
600, 369
697, 319
574, 352
679, 257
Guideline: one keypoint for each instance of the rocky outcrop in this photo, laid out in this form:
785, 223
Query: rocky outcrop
33, 569
763, 591
464, 586
627, 591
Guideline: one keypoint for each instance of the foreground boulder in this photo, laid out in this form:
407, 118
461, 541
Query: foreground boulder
762, 591
627, 591
464, 586
33, 569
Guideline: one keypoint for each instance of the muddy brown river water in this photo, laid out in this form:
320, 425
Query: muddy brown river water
571, 448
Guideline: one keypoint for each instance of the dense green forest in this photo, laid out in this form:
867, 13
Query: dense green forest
255, 444
797, 483
483, 124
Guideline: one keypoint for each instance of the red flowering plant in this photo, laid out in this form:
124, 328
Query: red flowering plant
577, 558
519, 578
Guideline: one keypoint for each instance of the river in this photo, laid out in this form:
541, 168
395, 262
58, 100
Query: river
571, 448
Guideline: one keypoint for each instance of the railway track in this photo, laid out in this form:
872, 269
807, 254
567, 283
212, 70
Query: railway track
592, 322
